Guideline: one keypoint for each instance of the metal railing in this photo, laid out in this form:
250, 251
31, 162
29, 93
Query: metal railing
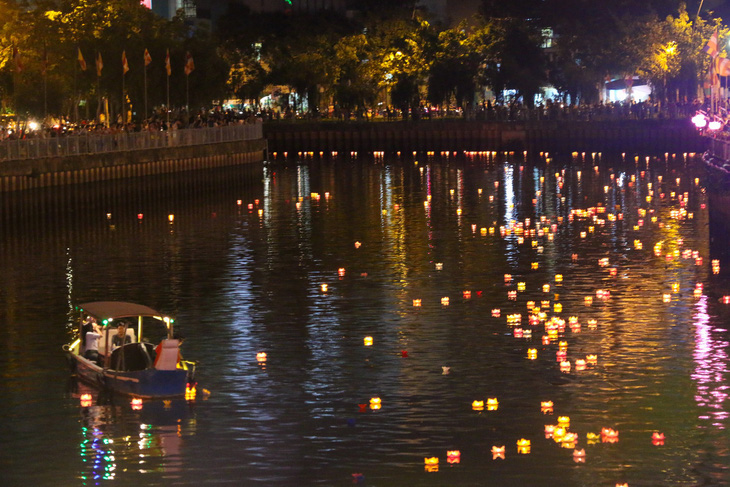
91, 143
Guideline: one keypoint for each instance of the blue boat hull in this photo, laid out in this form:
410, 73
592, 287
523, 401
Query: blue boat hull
148, 383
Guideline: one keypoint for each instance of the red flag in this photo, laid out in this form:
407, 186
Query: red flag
125, 64
18, 60
147, 58
82, 62
189, 64
168, 68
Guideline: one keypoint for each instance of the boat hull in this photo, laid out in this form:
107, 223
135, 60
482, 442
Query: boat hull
148, 383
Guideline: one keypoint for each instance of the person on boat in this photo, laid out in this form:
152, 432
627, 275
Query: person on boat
91, 342
121, 338
87, 326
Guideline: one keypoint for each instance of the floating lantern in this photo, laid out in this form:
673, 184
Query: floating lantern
580, 364
477, 405
675, 287
492, 404
591, 359
512, 295
563, 346
445, 370
549, 431
445, 301
603, 262
404, 353
520, 286
558, 308
546, 339
136, 403
431, 464
190, 392
358, 245
592, 324
561, 355
375, 403
261, 357
546, 407
453, 456
657, 439
341, 271
666, 297
467, 294
324, 287
531, 353
613, 271
439, 266
565, 366
579, 456
85, 400
588, 300
725, 300
368, 341
417, 302
609, 435
518, 333
535, 265
558, 278
523, 446
715, 266
592, 438
496, 312
564, 421
507, 278
546, 288
498, 452
559, 433
569, 440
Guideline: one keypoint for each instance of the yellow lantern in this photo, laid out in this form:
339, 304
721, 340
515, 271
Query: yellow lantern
417, 302
477, 405
546, 407
492, 404
532, 353
520, 286
564, 421
368, 341
445, 301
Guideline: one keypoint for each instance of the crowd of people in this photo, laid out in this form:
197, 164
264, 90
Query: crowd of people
162, 120
159, 120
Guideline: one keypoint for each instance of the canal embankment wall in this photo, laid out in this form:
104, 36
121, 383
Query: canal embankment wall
633, 136
44, 172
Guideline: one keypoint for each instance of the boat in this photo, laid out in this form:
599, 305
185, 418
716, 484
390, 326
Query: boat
147, 364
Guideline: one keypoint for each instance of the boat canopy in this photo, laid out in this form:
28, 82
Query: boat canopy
105, 310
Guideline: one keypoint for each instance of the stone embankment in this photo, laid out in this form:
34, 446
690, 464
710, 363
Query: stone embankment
633, 136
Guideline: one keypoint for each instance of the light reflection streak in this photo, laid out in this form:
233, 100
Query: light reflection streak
711, 369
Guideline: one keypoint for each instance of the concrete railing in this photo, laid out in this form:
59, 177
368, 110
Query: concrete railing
90, 143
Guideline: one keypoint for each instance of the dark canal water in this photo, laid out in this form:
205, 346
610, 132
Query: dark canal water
631, 234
